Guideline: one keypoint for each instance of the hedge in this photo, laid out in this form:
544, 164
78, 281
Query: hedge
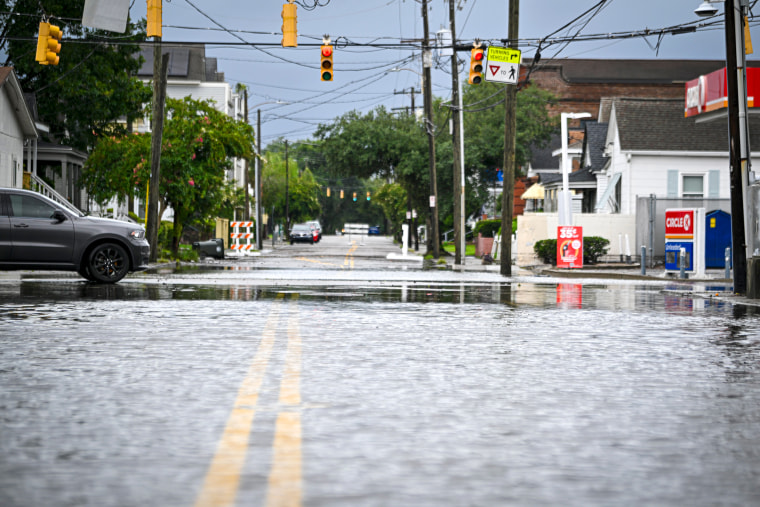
593, 248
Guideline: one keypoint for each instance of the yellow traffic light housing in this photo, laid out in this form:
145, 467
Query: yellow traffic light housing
289, 32
326, 65
155, 17
476, 66
48, 45
368, 196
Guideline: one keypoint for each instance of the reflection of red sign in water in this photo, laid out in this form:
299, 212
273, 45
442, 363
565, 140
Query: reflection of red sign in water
569, 247
569, 295
679, 224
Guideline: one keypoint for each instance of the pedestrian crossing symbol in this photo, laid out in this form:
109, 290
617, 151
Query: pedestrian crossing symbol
502, 65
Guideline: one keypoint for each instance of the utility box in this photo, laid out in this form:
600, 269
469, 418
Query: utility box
223, 230
685, 230
717, 238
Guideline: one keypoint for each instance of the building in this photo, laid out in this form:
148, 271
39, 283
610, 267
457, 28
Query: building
17, 130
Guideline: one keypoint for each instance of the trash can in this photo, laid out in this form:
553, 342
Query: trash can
211, 248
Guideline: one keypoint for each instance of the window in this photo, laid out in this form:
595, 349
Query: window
30, 207
693, 186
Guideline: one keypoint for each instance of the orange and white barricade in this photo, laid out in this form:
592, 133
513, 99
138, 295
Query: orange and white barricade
237, 235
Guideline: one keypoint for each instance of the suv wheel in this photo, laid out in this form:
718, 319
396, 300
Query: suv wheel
84, 272
108, 263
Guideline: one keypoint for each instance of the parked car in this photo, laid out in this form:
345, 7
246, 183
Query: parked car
38, 233
302, 233
375, 229
317, 226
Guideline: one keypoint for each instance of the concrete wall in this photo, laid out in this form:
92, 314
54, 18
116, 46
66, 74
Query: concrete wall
532, 227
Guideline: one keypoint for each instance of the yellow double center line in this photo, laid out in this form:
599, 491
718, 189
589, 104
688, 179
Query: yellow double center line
285, 480
349, 260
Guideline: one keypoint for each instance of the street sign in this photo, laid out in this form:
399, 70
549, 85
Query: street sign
502, 65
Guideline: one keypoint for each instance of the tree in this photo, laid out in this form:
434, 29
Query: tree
198, 144
302, 189
95, 82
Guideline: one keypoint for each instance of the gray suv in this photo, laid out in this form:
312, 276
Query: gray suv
38, 233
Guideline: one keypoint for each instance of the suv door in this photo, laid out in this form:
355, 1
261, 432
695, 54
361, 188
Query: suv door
36, 235
5, 231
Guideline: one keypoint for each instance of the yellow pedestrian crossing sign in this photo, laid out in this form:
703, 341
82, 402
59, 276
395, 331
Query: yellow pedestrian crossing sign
502, 65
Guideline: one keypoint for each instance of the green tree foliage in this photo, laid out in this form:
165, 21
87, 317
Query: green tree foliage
392, 198
95, 82
302, 187
197, 147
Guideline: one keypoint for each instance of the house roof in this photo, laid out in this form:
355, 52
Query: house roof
186, 61
660, 125
541, 158
633, 71
593, 145
10, 84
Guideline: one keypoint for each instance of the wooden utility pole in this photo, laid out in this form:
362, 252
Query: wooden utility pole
738, 150
456, 140
287, 193
160, 67
434, 241
257, 181
510, 139
246, 177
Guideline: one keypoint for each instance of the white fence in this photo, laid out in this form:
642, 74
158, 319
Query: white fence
353, 230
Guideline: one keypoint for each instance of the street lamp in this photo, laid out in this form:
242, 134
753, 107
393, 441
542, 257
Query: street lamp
565, 216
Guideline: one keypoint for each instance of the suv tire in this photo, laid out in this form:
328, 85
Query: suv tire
108, 263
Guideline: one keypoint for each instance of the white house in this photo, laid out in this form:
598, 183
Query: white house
641, 150
16, 129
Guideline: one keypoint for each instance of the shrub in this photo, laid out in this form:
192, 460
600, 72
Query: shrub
487, 228
546, 250
593, 248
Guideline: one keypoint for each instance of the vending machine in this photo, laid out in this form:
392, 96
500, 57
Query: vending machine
685, 232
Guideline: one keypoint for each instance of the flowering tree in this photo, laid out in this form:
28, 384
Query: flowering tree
197, 146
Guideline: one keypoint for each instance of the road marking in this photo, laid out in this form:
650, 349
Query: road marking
318, 262
223, 476
285, 477
349, 260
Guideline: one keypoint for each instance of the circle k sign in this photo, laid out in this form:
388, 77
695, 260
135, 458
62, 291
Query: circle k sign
679, 224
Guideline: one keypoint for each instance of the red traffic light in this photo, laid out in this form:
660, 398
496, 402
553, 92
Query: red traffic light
477, 55
326, 50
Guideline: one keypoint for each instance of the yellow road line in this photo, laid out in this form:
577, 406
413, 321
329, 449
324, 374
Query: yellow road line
349, 259
285, 477
317, 262
285, 488
223, 476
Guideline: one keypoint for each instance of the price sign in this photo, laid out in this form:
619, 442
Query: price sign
569, 247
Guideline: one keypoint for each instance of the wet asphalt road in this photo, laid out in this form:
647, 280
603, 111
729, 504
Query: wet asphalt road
327, 376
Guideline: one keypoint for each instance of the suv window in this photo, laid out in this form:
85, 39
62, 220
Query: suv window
29, 207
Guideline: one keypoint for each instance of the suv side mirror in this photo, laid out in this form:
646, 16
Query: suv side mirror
59, 215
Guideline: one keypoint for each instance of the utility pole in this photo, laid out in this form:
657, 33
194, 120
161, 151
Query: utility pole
738, 149
429, 127
510, 139
257, 180
160, 67
456, 139
246, 177
287, 194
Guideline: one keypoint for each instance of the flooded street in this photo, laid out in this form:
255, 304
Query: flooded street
328, 387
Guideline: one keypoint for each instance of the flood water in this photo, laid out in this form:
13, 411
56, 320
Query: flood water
407, 389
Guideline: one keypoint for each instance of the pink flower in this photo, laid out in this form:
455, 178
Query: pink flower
193, 156
191, 182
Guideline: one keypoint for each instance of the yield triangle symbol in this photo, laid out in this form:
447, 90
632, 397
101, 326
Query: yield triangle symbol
494, 69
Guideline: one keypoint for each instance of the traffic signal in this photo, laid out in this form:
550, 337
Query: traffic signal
341, 194
327, 62
328, 191
154, 18
48, 45
289, 33
476, 66
354, 196
368, 195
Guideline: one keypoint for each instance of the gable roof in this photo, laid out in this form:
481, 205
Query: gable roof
660, 125
593, 145
10, 84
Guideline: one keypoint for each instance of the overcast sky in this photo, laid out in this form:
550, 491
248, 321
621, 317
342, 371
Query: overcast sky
363, 76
